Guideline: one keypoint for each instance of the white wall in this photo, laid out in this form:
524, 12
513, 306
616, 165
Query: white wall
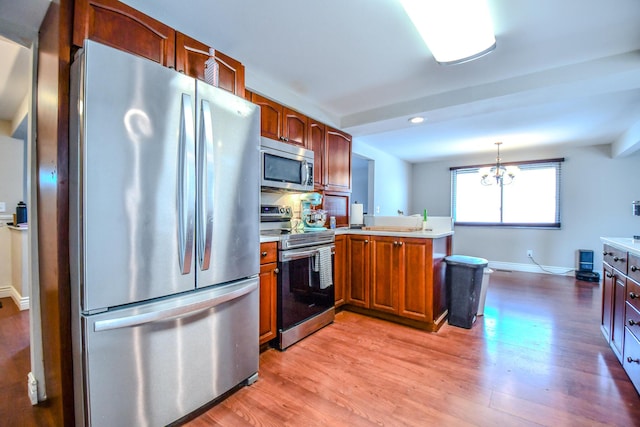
596, 196
392, 180
11, 172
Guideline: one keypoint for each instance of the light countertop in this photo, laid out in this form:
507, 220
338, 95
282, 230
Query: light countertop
623, 243
421, 234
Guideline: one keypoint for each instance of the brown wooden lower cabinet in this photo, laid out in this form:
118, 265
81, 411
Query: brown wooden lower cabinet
268, 291
398, 278
620, 321
340, 270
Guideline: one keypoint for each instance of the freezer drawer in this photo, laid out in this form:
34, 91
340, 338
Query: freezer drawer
152, 364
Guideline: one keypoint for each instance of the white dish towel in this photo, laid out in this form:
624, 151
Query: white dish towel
323, 266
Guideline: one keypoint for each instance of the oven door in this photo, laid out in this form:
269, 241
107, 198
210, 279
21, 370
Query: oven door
300, 292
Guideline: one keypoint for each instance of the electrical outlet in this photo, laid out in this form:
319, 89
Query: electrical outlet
3, 207
530, 253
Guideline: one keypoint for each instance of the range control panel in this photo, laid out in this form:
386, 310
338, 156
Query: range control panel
270, 213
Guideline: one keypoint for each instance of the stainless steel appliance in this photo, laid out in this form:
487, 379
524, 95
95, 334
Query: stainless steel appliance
285, 166
305, 296
164, 232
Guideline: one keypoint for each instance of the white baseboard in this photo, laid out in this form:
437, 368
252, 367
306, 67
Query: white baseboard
8, 291
532, 268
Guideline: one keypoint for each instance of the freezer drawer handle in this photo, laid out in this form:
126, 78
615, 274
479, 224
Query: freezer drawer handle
175, 312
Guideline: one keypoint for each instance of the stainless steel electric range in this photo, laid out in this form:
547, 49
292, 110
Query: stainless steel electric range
305, 282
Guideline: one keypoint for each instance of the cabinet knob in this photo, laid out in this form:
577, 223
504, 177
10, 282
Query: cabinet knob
366, 241
630, 360
632, 322
616, 259
400, 243
633, 295
634, 268
609, 275
284, 138
263, 254
395, 243
605, 253
276, 270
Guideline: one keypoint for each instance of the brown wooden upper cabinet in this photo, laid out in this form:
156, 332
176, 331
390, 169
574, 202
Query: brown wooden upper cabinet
317, 134
337, 160
122, 27
115, 24
191, 56
281, 123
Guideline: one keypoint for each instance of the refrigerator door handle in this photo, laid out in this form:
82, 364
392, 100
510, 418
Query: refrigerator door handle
226, 295
206, 181
186, 185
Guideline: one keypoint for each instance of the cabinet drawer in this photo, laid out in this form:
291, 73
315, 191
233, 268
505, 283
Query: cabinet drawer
632, 320
631, 360
634, 267
268, 252
615, 258
633, 294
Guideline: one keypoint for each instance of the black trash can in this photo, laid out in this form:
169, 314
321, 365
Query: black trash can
464, 282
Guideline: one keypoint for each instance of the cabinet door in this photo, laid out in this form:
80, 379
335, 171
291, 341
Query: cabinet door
270, 116
417, 288
617, 326
338, 160
340, 270
358, 289
117, 25
608, 283
387, 270
268, 309
294, 128
317, 132
191, 56
337, 204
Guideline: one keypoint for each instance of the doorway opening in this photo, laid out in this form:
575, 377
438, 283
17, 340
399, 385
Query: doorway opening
362, 182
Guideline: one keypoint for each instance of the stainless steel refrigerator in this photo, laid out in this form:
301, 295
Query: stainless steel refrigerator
164, 192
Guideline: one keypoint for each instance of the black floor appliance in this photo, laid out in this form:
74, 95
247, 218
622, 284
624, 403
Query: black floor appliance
585, 266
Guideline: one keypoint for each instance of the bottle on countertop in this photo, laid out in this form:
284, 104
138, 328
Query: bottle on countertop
21, 213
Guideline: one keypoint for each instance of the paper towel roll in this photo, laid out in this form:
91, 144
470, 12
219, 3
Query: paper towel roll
357, 216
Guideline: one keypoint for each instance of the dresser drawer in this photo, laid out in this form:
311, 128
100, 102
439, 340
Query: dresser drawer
268, 252
634, 267
615, 258
633, 294
632, 320
631, 359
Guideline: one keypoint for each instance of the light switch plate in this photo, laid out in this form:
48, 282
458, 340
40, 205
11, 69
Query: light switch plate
3, 207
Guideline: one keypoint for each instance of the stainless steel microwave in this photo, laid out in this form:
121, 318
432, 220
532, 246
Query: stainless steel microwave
285, 166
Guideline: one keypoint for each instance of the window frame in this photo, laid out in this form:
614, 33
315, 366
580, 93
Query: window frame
556, 163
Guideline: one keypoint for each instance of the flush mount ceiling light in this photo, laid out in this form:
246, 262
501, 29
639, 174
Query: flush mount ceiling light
455, 31
498, 174
416, 120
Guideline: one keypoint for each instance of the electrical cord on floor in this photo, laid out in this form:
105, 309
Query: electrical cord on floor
550, 272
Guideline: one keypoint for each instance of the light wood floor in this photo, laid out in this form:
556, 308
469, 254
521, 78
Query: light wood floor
537, 357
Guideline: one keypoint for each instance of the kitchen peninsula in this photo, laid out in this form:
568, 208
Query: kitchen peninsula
393, 275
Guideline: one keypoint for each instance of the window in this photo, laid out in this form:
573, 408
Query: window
531, 200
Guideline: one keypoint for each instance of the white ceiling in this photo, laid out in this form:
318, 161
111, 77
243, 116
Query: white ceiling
563, 72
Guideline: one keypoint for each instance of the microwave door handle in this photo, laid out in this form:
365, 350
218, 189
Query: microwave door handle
206, 178
305, 167
186, 185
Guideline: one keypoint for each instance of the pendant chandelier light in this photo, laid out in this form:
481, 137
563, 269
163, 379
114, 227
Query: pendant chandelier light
498, 174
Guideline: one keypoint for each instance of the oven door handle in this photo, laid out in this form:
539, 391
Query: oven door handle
292, 255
